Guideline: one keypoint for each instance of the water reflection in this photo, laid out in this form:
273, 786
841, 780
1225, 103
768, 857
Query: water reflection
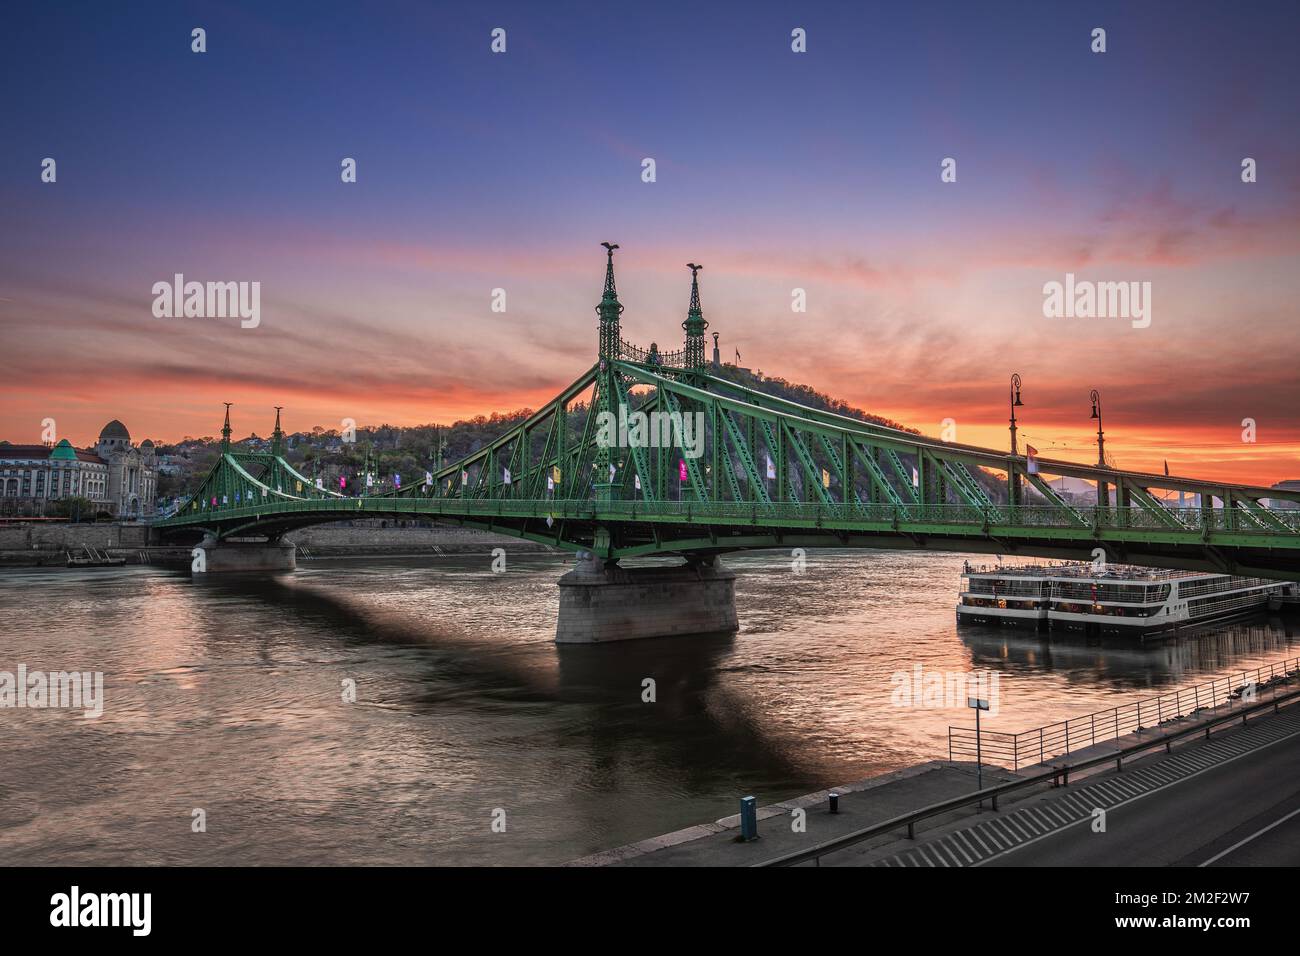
229, 696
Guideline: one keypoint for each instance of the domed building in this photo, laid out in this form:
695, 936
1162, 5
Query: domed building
132, 481
115, 475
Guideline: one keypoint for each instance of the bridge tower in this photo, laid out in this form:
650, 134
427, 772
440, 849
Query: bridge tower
277, 436
695, 324
607, 385
225, 431
609, 310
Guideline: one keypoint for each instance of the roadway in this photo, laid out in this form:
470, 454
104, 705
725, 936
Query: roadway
1240, 810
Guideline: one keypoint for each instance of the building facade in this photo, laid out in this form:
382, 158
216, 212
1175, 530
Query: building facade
115, 476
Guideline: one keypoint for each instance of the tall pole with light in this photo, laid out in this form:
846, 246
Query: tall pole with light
1103, 490
1015, 403
1013, 479
1101, 436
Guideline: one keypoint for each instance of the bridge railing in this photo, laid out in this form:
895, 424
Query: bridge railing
1191, 520
1040, 744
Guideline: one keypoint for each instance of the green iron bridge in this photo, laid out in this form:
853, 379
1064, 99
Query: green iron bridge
769, 473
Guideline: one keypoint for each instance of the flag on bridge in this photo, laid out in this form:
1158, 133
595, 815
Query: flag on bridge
1032, 454
343, 483
507, 477
397, 480
320, 483
916, 479
370, 480
681, 469
771, 468
550, 483
428, 478
637, 479
555, 473
611, 471
737, 356
826, 478
464, 477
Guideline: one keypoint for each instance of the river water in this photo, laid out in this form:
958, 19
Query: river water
227, 697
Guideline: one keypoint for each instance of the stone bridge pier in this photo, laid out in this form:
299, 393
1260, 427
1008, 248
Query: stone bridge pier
211, 556
601, 601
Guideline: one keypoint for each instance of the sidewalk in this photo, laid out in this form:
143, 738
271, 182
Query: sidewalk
860, 805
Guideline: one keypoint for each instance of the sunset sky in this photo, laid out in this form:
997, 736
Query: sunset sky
775, 170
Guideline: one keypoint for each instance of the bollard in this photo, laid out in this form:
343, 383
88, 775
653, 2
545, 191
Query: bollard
748, 819
835, 802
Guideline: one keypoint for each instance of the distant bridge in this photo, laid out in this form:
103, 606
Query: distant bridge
772, 473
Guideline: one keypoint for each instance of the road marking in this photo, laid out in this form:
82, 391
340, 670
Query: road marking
948, 845
1014, 826
1027, 822
1074, 800
1240, 843
1055, 813
1142, 796
993, 838
980, 840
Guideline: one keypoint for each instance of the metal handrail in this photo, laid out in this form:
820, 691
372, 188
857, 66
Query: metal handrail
1056, 774
877, 512
1061, 738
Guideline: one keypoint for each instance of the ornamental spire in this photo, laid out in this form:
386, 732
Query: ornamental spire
695, 324
609, 309
225, 430
277, 436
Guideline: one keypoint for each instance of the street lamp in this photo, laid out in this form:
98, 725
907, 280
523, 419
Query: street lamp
1101, 440
1015, 403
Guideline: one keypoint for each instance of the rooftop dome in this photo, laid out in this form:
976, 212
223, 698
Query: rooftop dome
115, 429
147, 443
64, 451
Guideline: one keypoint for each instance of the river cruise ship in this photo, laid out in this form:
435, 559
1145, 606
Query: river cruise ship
1117, 599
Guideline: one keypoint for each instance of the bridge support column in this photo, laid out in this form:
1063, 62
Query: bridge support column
225, 557
602, 602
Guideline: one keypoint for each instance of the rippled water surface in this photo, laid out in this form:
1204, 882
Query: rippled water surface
227, 696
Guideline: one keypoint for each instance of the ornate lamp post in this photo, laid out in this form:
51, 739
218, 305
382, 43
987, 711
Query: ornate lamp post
1101, 439
1015, 403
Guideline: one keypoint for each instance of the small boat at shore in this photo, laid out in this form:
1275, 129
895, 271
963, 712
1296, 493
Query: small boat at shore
1116, 599
93, 558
